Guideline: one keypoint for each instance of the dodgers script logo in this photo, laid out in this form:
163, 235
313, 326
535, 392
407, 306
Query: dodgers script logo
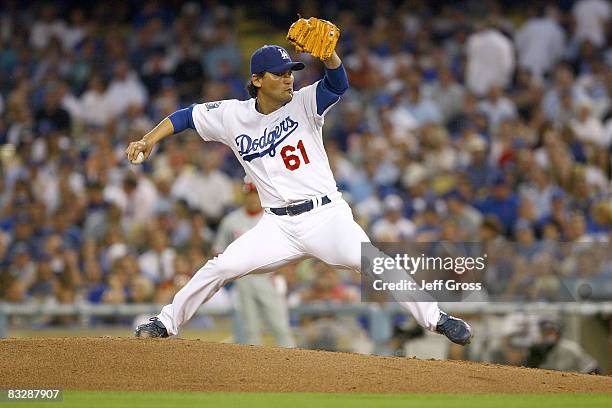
250, 148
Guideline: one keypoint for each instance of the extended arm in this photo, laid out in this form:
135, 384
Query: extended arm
175, 123
333, 85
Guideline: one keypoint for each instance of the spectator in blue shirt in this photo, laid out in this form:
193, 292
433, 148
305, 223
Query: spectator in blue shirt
501, 202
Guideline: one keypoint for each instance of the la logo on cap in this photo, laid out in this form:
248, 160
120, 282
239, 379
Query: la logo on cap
283, 54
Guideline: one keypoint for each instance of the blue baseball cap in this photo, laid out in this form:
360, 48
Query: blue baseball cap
274, 59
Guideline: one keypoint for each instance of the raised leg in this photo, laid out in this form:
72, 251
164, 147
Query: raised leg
333, 236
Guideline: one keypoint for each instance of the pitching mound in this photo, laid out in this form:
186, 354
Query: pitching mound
191, 365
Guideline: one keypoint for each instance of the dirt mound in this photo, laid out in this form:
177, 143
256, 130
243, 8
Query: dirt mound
192, 365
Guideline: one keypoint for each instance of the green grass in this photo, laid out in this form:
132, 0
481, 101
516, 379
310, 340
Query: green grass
95, 399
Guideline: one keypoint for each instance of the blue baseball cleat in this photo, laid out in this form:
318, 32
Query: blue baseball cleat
155, 328
456, 330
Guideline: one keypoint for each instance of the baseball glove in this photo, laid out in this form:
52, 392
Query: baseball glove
315, 36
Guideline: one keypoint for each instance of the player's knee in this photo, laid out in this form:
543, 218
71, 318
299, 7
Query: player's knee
213, 270
348, 262
228, 269
355, 264
352, 259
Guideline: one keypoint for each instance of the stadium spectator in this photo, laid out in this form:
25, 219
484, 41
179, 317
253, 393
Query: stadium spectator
393, 227
423, 110
497, 108
501, 202
467, 218
591, 19
540, 42
125, 89
554, 352
157, 264
490, 59
208, 190
447, 94
588, 128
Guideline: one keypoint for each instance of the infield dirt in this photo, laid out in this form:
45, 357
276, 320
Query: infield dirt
192, 365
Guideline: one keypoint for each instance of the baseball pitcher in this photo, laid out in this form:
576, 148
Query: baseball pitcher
277, 137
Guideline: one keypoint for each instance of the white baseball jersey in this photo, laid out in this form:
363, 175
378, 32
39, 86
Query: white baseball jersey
282, 152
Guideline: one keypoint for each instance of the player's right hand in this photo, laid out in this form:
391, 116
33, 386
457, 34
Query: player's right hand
134, 148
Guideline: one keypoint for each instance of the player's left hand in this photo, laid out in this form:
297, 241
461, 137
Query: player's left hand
315, 36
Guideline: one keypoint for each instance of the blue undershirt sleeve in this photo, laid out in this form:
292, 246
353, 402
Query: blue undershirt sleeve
182, 119
330, 88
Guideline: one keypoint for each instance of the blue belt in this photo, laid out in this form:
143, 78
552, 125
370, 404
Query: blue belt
298, 209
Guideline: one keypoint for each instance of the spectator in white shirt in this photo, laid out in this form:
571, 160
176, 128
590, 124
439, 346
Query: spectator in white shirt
563, 83
393, 227
125, 89
209, 190
95, 108
157, 264
497, 108
540, 43
137, 198
47, 27
566, 110
592, 16
447, 94
593, 84
490, 60
399, 118
422, 109
75, 32
588, 128
538, 190
141, 198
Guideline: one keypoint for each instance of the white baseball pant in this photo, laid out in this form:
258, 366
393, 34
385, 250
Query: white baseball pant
327, 232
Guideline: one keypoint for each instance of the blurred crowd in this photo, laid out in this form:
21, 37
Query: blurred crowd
539, 341
462, 123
